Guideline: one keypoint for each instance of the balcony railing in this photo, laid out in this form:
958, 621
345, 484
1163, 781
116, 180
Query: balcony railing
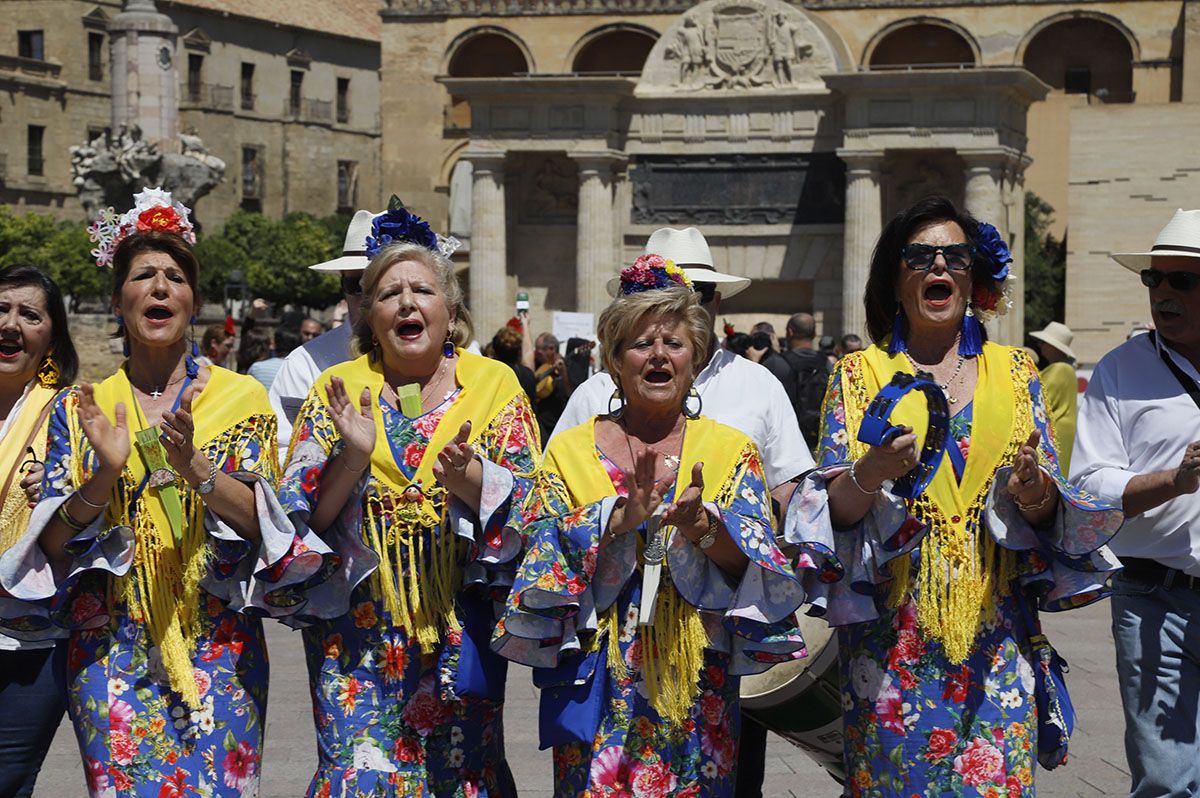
309, 110
208, 95
31, 67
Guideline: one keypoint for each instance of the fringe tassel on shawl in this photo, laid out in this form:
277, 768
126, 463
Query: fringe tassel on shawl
672, 655
417, 587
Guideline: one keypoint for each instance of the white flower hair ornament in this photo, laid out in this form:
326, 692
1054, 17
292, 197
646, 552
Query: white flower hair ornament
153, 210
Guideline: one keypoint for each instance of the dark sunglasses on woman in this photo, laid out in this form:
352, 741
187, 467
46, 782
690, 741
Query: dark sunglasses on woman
1180, 281
352, 283
920, 257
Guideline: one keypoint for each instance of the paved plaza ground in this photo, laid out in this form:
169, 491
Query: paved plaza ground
1097, 766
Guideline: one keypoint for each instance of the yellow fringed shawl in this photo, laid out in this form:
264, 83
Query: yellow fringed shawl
162, 590
673, 647
27, 429
962, 570
418, 589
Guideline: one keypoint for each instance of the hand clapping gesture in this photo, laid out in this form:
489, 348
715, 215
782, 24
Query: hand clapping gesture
644, 496
110, 442
1026, 482
457, 468
355, 425
687, 513
177, 436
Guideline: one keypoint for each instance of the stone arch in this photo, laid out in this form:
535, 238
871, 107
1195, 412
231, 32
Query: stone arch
619, 47
487, 51
921, 41
1082, 52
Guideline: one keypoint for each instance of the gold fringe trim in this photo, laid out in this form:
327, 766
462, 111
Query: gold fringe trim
673, 655
418, 587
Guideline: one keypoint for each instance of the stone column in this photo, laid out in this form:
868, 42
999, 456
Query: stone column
145, 81
864, 220
985, 173
595, 242
489, 300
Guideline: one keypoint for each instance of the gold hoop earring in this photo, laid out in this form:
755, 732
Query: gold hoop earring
48, 373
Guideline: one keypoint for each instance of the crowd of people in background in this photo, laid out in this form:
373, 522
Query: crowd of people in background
639, 519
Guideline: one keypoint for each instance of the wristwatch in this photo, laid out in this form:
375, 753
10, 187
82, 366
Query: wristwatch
206, 487
710, 537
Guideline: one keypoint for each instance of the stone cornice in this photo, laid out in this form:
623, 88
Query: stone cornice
436, 9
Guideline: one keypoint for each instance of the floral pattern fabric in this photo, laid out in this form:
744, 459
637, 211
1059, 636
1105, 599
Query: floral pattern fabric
136, 735
392, 719
630, 750
917, 723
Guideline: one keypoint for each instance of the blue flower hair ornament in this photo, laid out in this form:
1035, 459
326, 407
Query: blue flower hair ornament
396, 225
992, 244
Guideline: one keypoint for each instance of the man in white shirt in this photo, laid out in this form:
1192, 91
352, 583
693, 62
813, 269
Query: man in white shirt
1137, 446
733, 391
301, 368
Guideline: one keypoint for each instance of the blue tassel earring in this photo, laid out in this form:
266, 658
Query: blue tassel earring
124, 337
970, 340
448, 348
195, 346
897, 344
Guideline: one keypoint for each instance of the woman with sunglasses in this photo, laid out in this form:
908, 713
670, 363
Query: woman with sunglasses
936, 608
37, 359
158, 542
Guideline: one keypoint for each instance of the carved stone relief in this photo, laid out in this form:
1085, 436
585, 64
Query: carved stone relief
739, 189
725, 45
548, 188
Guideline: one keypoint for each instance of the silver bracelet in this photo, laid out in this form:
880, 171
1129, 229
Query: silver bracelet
857, 484
91, 504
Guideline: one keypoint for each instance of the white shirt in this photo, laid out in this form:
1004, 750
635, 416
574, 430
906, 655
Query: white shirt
299, 373
736, 392
1136, 419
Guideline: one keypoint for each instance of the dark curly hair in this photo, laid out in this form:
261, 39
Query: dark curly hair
880, 295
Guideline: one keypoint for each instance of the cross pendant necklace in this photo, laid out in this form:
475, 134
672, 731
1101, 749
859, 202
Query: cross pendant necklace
157, 392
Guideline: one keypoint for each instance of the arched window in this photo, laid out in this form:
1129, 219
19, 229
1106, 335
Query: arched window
922, 44
614, 50
1083, 55
488, 55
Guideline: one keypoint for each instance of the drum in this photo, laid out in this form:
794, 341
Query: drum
801, 700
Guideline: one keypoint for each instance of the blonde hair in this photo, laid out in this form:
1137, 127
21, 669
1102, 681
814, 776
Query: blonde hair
623, 314
461, 329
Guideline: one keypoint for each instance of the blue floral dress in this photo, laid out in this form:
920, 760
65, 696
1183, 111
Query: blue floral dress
394, 719
571, 598
138, 736
918, 722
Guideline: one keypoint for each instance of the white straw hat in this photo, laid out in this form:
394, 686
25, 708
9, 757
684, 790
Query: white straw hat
354, 249
688, 250
1059, 336
1181, 238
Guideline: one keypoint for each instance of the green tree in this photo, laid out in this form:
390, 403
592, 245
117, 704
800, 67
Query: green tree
60, 249
1045, 266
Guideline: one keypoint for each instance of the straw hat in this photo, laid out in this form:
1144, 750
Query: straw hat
1181, 237
354, 249
689, 251
1059, 336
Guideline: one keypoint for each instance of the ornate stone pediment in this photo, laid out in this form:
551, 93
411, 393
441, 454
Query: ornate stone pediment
739, 45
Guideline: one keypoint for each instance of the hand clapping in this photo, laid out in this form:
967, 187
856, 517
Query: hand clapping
454, 460
687, 513
110, 442
645, 494
355, 425
177, 436
1026, 482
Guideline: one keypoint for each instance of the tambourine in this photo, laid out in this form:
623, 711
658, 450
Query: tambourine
876, 428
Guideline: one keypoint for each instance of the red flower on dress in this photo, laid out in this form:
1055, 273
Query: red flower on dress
1013, 785
981, 763
941, 743
310, 480
712, 707
240, 765
175, 785
908, 649
120, 717
956, 685
395, 658
652, 781
613, 772
203, 681
123, 747
716, 676
85, 607
717, 743
97, 776
120, 780
413, 453
408, 750
424, 712
890, 707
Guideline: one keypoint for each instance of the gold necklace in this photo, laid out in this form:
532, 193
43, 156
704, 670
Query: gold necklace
671, 461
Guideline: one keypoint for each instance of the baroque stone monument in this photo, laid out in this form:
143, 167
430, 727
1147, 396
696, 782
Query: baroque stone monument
144, 147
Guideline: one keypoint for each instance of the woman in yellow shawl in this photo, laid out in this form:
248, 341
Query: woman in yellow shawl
937, 605
652, 579
404, 460
37, 358
156, 535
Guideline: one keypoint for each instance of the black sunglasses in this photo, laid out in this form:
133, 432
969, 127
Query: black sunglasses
706, 291
352, 284
1180, 281
920, 257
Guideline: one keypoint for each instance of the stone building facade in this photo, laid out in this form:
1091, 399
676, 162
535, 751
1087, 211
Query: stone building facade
555, 136
285, 92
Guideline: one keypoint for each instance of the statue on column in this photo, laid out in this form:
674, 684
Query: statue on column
143, 148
